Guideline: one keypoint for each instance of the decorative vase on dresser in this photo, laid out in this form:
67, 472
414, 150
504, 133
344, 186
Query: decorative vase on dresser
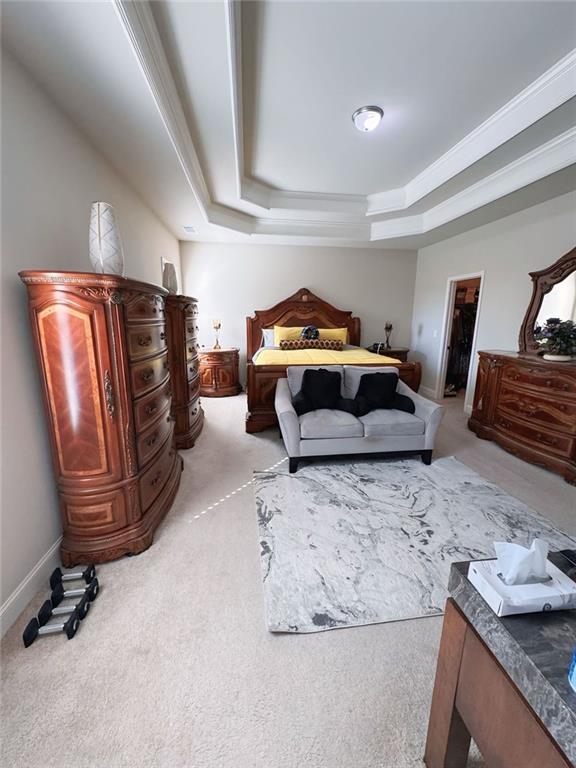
102, 352
219, 375
182, 327
523, 402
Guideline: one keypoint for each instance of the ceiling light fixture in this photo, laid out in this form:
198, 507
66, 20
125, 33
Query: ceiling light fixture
367, 118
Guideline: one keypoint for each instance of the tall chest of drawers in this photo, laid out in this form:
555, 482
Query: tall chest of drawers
528, 406
182, 328
102, 350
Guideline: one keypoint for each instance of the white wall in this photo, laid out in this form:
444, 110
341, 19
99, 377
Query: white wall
507, 250
231, 281
50, 176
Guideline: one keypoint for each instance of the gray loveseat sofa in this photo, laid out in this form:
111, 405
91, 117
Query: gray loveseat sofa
327, 432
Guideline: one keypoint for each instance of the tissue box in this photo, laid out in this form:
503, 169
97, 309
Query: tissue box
558, 593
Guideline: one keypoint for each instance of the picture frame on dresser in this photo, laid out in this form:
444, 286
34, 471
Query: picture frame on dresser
523, 402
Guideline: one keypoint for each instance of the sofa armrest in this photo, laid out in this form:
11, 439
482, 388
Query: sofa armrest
287, 418
430, 412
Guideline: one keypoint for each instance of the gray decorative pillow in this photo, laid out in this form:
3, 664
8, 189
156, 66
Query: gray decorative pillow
267, 337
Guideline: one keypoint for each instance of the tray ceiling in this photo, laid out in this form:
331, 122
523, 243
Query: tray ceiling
235, 118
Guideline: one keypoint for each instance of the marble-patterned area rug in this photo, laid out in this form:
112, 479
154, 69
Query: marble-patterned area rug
348, 544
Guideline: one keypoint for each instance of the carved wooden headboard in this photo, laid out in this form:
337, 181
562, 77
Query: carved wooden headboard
303, 308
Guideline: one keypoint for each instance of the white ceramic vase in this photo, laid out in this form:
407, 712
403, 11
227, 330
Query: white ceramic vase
169, 277
558, 358
104, 240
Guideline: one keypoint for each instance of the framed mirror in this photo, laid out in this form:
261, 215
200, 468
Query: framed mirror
553, 295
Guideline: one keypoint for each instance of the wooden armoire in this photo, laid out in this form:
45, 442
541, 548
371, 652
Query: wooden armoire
102, 350
182, 327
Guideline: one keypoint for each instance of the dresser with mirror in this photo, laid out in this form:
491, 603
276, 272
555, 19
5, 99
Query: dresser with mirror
523, 401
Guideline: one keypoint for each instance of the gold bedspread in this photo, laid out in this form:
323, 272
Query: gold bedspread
355, 356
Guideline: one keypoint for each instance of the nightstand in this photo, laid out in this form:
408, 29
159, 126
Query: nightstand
400, 353
219, 375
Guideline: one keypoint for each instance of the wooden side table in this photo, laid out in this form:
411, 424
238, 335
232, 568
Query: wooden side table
400, 353
219, 375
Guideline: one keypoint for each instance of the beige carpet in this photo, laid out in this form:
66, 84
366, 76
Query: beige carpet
174, 667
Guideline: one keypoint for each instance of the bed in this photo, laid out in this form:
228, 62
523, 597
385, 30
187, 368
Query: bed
264, 370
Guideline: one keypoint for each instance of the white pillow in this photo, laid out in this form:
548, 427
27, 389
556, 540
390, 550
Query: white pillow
267, 337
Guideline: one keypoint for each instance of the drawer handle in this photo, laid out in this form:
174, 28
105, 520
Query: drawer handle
152, 440
152, 408
147, 374
166, 365
156, 479
189, 329
545, 439
162, 336
144, 341
109, 394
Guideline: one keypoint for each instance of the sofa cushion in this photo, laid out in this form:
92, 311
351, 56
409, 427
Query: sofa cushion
391, 422
294, 373
353, 374
327, 423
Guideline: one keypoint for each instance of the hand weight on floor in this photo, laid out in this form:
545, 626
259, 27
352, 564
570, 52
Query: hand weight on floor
59, 593
58, 575
48, 610
34, 630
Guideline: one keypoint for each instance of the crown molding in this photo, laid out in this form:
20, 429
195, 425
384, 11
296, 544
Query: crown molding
549, 158
340, 218
138, 23
546, 93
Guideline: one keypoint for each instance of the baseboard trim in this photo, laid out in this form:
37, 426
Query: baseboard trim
29, 587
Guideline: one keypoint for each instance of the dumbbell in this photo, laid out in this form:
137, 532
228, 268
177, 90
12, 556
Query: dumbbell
58, 575
48, 610
59, 593
33, 629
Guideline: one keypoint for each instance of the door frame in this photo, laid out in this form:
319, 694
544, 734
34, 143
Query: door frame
447, 330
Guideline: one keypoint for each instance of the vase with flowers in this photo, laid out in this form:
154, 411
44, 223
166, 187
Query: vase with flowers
557, 339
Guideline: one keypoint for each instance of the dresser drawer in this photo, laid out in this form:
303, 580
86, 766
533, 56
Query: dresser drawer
149, 442
148, 374
147, 408
145, 306
191, 328
540, 378
194, 411
552, 412
192, 348
154, 479
145, 340
546, 440
192, 368
194, 386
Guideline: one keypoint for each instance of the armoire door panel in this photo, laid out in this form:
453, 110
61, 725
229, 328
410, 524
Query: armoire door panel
80, 394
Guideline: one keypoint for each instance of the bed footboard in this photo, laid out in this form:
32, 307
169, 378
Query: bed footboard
261, 388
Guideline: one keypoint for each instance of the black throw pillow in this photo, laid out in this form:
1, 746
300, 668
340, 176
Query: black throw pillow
348, 405
403, 403
320, 389
376, 390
